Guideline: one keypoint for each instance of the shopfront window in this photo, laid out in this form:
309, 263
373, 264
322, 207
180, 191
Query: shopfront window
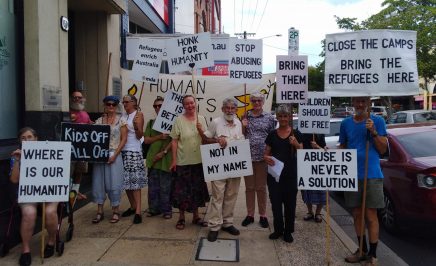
8, 71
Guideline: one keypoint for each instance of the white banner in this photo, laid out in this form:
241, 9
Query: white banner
146, 65
314, 116
232, 161
333, 170
187, 52
44, 171
371, 63
292, 79
245, 60
210, 92
171, 108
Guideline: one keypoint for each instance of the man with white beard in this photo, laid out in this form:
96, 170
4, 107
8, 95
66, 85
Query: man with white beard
78, 115
224, 192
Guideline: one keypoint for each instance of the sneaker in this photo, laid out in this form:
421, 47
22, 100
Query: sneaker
25, 259
248, 220
49, 251
212, 236
128, 212
231, 230
264, 222
275, 235
137, 219
370, 261
288, 238
354, 258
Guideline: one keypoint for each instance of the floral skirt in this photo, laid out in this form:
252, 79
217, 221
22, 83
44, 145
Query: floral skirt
189, 188
134, 174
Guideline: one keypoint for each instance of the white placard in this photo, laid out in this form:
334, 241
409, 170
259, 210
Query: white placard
146, 65
44, 171
232, 161
292, 79
245, 60
371, 63
220, 49
293, 41
171, 108
189, 51
333, 170
314, 115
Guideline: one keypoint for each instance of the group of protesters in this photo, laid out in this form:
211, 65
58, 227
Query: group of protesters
174, 174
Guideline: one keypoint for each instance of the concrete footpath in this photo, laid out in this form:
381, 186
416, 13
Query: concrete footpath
157, 242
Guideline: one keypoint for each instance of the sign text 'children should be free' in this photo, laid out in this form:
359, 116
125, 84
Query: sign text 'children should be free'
314, 115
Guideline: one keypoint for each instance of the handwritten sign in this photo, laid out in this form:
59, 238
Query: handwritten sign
333, 170
146, 65
231, 161
44, 171
89, 143
187, 52
371, 63
171, 108
292, 80
245, 60
314, 115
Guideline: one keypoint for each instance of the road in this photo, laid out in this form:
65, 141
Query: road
416, 245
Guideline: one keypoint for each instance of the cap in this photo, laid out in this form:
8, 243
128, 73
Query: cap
111, 98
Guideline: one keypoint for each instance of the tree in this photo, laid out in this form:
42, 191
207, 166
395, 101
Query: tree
316, 78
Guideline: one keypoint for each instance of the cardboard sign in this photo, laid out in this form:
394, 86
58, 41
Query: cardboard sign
171, 108
221, 163
245, 60
220, 48
191, 51
146, 65
292, 79
314, 115
44, 171
89, 143
333, 170
371, 63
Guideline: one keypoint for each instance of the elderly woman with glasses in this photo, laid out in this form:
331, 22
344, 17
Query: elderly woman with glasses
158, 162
108, 178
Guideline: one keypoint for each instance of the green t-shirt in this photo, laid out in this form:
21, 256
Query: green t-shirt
155, 148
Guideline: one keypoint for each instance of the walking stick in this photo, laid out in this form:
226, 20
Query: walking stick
43, 233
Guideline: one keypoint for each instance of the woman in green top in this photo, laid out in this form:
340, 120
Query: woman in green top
158, 162
189, 190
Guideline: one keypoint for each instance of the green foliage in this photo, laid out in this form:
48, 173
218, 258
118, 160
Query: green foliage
316, 78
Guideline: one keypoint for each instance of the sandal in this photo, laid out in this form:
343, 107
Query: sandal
309, 216
180, 224
98, 218
199, 221
318, 218
115, 218
167, 216
81, 196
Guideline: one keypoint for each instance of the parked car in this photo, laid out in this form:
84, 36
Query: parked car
412, 116
409, 177
381, 111
342, 112
332, 139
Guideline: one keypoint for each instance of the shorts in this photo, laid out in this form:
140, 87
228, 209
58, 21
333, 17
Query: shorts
374, 195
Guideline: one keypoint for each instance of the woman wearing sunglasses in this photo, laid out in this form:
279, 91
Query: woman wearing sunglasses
108, 177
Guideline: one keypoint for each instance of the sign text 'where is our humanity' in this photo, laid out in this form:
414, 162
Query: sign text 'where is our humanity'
314, 115
147, 62
371, 63
171, 108
292, 79
44, 171
333, 170
245, 64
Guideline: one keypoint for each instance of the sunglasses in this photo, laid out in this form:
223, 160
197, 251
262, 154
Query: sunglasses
111, 104
157, 105
126, 102
77, 97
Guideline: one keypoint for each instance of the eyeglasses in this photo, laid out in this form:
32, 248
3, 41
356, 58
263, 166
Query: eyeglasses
77, 97
111, 104
157, 106
256, 101
126, 102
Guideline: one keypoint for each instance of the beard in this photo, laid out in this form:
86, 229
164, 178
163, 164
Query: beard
80, 106
229, 117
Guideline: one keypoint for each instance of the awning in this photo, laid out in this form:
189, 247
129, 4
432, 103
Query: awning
107, 6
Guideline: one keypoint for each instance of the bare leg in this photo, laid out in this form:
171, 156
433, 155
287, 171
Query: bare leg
131, 199
28, 212
318, 208
51, 221
137, 200
372, 224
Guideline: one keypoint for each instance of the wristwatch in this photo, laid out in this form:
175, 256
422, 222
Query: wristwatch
165, 151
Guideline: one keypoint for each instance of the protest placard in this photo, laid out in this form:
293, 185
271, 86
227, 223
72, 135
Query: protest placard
220, 52
89, 143
146, 65
333, 170
371, 63
171, 108
232, 161
292, 81
187, 51
245, 60
44, 171
314, 115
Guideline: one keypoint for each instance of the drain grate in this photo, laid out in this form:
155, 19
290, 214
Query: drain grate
221, 250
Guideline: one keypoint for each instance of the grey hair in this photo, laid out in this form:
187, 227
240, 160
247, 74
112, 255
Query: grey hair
257, 95
230, 100
283, 109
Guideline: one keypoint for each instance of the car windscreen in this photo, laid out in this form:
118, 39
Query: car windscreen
424, 117
422, 144
335, 127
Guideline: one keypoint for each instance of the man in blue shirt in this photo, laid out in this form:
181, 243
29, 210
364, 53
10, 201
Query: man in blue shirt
354, 135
